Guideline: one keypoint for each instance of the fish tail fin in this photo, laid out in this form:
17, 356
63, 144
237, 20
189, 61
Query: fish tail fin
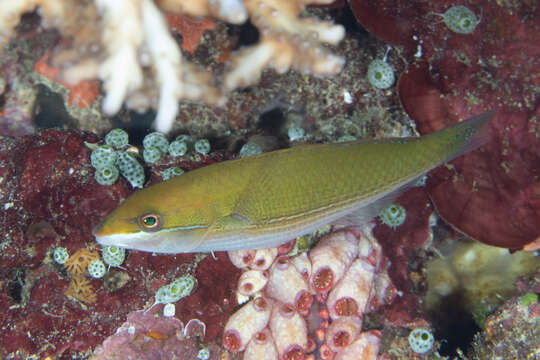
466, 135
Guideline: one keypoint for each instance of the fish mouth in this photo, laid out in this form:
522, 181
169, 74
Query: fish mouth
164, 241
118, 240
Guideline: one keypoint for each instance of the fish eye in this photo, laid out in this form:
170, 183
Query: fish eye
149, 222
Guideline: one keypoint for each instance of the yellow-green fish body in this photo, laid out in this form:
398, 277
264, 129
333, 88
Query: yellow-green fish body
265, 200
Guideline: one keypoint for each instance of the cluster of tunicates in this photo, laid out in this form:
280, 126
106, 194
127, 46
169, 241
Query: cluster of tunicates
111, 160
111, 255
155, 146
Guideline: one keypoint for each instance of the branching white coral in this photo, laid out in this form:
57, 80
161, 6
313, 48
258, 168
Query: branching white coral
128, 46
122, 36
167, 61
286, 41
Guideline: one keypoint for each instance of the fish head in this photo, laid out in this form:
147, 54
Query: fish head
156, 220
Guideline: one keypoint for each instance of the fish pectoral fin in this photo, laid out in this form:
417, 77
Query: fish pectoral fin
230, 222
366, 213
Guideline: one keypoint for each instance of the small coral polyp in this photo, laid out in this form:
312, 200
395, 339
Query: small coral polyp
460, 19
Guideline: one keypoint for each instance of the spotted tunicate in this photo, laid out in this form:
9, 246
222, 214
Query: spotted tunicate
102, 156
178, 148
176, 290
202, 146
152, 154
249, 149
460, 19
106, 175
60, 255
130, 169
157, 140
171, 172
393, 215
113, 256
421, 340
380, 74
117, 138
97, 269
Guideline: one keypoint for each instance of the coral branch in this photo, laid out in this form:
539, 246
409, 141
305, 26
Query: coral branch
127, 44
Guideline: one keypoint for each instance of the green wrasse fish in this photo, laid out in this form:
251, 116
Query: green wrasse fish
265, 200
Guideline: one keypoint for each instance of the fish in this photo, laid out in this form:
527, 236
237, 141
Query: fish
265, 200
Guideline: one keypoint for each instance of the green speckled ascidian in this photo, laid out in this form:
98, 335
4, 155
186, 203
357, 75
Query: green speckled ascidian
460, 19
103, 155
156, 140
176, 290
117, 138
106, 175
113, 256
60, 255
130, 169
97, 269
393, 215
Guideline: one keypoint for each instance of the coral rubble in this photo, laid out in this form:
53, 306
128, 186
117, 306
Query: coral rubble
128, 46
